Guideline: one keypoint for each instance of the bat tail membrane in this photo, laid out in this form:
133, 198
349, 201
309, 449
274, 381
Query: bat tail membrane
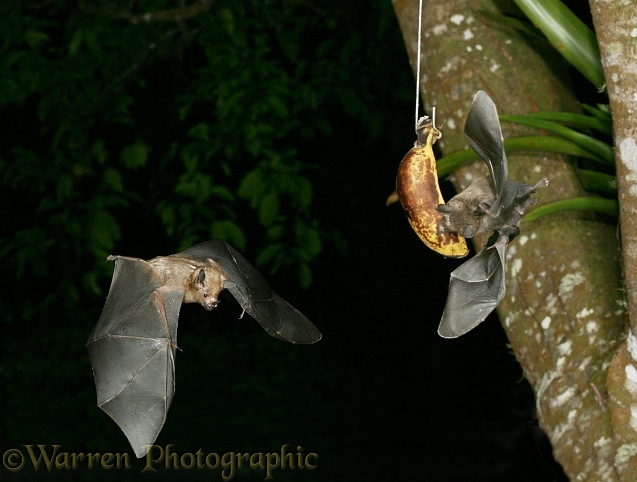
132, 351
476, 288
277, 317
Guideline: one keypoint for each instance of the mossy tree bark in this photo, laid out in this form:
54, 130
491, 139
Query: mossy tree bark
564, 312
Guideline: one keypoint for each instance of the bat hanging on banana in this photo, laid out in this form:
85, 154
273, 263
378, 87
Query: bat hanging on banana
489, 205
133, 346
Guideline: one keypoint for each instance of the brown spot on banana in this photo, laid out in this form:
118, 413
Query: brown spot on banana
419, 193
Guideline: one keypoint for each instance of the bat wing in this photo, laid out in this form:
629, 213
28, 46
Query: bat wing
277, 317
483, 132
476, 288
132, 351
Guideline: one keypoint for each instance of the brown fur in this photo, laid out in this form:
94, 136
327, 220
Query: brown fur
467, 215
182, 273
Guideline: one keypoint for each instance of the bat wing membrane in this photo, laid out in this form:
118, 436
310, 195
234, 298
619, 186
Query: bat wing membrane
483, 132
475, 289
132, 351
277, 317
478, 285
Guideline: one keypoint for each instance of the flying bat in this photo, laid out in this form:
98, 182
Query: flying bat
488, 205
133, 346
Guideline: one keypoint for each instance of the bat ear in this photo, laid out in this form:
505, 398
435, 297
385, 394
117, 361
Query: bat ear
201, 277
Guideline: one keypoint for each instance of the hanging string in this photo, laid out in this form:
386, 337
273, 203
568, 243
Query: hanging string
418, 60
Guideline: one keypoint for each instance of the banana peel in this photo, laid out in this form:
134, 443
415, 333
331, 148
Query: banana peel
419, 194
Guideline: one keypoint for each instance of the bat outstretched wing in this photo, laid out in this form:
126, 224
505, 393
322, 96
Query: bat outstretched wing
475, 289
478, 285
132, 351
277, 317
483, 132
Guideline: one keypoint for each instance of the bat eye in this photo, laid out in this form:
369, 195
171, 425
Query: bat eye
205, 295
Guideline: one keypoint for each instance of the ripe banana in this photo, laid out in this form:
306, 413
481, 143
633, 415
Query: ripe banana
419, 193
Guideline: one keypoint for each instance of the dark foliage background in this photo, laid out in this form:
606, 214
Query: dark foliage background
278, 126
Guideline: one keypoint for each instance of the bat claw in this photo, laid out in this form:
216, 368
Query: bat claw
467, 232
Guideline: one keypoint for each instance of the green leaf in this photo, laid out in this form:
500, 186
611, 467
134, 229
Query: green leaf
135, 155
190, 157
227, 20
222, 192
64, 186
278, 106
305, 275
275, 232
195, 185
577, 120
187, 188
91, 281
103, 231
598, 182
113, 179
302, 192
568, 34
309, 239
253, 187
76, 41
268, 254
36, 39
600, 112
99, 151
597, 204
602, 150
200, 131
448, 164
268, 208
168, 216
512, 22
229, 231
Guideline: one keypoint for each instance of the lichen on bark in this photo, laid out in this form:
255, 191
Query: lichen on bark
617, 37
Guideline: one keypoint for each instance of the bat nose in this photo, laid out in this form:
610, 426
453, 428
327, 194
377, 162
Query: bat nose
212, 304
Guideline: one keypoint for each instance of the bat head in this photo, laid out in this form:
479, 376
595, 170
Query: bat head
205, 284
465, 212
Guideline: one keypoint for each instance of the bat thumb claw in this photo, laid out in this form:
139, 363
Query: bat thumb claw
467, 232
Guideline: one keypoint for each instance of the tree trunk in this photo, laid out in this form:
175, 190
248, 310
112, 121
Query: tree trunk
616, 34
564, 309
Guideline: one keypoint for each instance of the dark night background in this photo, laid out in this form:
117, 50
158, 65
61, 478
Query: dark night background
381, 397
